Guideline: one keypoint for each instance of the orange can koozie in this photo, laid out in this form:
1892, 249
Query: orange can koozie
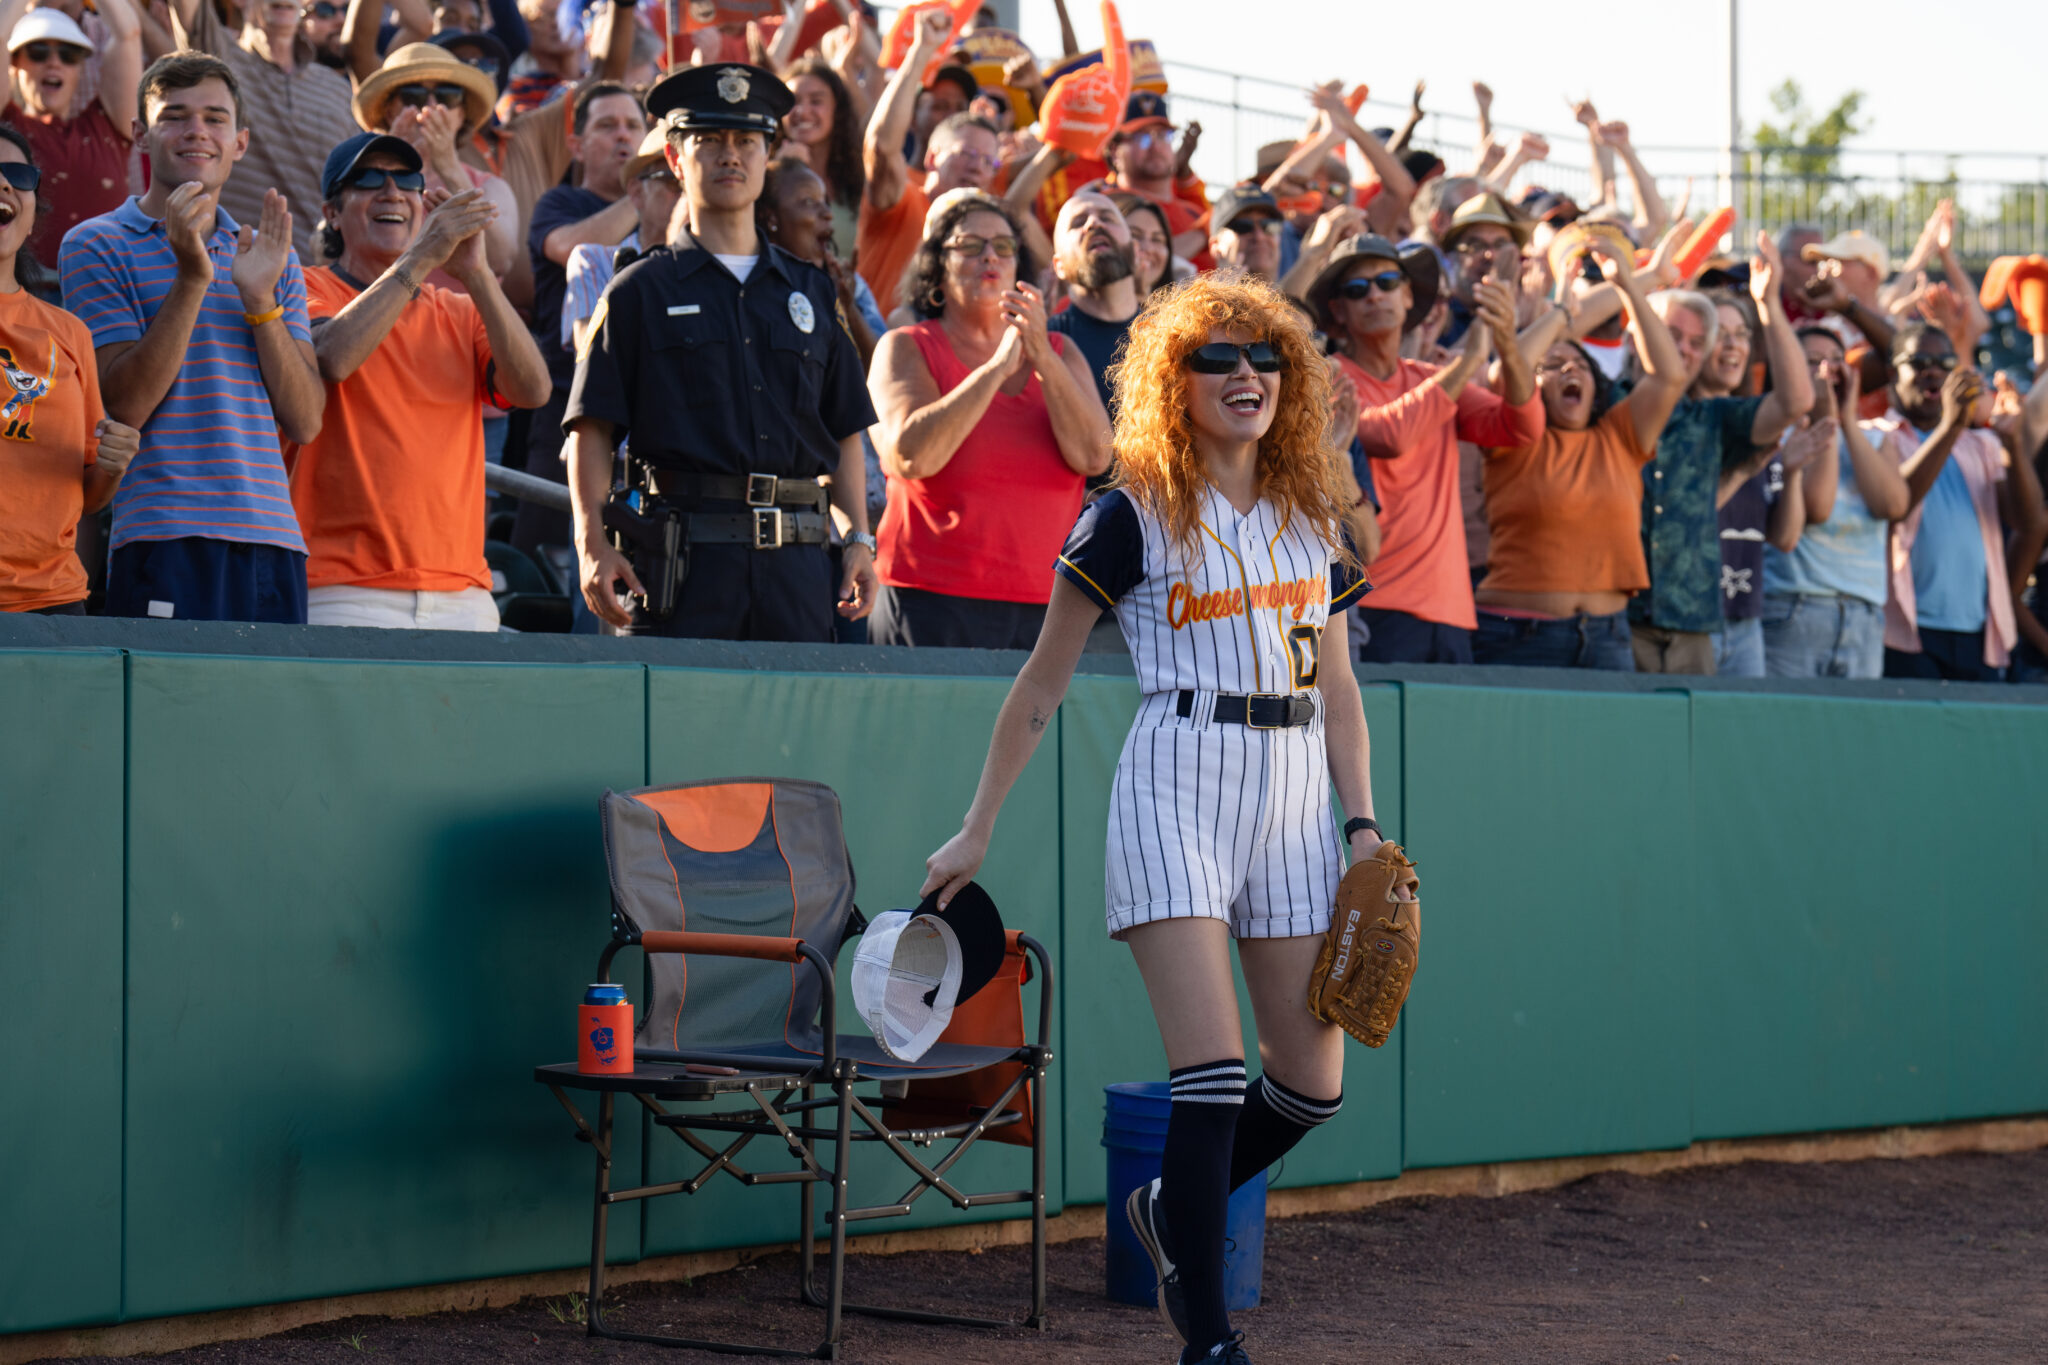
604, 1032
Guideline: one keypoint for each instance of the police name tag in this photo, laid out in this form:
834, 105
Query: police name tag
683, 310
801, 313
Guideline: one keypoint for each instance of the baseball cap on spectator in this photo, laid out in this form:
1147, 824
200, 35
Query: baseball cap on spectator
1487, 208
48, 25
487, 45
342, 161
1143, 110
1549, 206
1421, 165
426, 64
1240, 199
960, 76
1852, 245
1418, 264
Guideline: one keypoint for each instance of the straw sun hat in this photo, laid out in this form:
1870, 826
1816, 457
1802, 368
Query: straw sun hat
425, 64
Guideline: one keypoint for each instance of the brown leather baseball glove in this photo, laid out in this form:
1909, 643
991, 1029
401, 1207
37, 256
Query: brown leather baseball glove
1362, 975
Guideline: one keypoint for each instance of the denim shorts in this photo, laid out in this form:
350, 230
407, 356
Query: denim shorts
1809, 636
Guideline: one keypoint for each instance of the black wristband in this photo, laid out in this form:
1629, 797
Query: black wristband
1352, 827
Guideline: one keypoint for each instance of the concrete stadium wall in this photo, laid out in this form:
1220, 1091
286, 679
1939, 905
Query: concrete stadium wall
282, 935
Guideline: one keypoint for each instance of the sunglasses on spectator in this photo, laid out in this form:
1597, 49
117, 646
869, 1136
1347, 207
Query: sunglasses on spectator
21, 175
322, 9
970, 248
659, 174
68, 53
1922, 360
1162, 136
1387, 281
374, 178
487, 65
1221, 357
1471, 247
1245, 227
447, 95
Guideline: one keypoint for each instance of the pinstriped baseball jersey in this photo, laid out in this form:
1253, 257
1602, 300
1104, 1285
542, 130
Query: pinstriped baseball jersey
1246, 616
1217, 820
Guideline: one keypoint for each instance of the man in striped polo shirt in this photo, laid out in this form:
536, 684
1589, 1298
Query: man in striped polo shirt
199, 326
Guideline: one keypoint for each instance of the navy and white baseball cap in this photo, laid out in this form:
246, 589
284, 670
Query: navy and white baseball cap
914, 966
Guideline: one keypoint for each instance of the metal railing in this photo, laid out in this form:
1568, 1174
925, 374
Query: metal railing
2001, 198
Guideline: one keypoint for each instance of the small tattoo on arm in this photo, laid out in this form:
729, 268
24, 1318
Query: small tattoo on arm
1038, 720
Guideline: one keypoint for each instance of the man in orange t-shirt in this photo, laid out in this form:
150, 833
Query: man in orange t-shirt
390, 495
60, 456
1411, 418
962, 153
1143, 160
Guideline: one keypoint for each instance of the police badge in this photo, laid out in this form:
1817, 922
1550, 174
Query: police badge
801, 313
732, 85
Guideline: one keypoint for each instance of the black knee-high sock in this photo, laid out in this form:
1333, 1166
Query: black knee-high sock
1193, 1188
1273, 1119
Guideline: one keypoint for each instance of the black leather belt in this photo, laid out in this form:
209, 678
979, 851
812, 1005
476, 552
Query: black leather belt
755, 490
1260, 710
764, 528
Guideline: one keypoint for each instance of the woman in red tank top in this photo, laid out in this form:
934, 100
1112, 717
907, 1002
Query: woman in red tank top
989, 430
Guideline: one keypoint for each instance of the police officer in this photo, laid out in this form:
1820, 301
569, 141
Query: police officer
723, 358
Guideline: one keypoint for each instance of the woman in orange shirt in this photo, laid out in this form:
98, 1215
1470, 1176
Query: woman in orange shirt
60, 457
1565, 513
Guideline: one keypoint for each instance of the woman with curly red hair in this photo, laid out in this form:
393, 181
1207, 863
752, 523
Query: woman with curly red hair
1221, 551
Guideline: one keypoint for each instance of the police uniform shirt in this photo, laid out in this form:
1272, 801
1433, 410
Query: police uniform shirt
714, 376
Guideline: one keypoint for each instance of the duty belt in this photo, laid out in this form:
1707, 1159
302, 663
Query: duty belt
1259, 710
755, 490
767, 524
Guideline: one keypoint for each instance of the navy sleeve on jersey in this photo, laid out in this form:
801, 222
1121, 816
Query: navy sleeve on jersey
1347, 582
1361, 468
1105, 552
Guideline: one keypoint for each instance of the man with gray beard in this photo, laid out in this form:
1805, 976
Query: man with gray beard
1092, 256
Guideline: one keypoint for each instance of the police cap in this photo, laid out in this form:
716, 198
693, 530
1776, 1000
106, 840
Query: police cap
721, 95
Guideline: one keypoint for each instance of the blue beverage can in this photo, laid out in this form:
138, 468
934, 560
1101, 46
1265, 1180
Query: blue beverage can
604, 994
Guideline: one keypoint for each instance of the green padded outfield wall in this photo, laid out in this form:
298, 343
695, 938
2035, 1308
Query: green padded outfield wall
363, 901
61, 734
283, 938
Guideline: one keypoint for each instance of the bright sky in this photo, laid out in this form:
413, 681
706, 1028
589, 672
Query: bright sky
1986, 60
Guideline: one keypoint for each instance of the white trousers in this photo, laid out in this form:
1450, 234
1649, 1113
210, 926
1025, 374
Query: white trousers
344, 604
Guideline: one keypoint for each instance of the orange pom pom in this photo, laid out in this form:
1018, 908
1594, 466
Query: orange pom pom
1700, 245
2023, 279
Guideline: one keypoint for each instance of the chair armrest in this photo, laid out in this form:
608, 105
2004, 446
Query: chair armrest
1037, 950
723, 945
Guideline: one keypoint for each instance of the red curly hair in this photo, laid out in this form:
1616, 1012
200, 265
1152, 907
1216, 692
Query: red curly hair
1156, 460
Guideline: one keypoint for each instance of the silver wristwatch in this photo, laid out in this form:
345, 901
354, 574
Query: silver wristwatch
863, 538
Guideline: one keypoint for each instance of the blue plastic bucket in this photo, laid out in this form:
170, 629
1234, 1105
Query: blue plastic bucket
1134, 1134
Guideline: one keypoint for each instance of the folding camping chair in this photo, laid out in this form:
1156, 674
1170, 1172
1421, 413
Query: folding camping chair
741, 894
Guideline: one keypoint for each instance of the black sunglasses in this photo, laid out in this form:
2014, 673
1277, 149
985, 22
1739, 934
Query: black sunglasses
1244, 227
1387, 281
374, 178
487, 65
448, 95
1221, 357
21, 175
68, 53
1922, 360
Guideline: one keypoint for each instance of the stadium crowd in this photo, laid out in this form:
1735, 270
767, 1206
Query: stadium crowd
281, 280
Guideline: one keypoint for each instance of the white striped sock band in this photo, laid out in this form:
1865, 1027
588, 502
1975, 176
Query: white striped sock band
1299, 1109
1210, 1083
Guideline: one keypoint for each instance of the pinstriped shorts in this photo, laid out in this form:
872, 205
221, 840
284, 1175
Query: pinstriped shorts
1221, 822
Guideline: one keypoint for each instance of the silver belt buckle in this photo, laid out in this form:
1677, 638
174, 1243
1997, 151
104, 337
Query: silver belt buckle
761, 490
767, 528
